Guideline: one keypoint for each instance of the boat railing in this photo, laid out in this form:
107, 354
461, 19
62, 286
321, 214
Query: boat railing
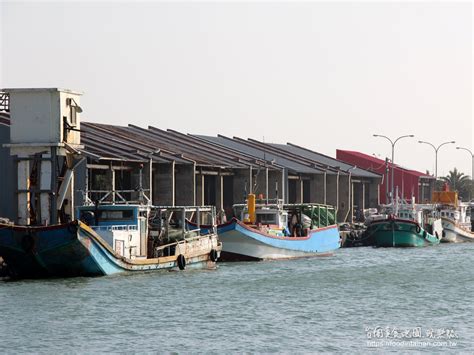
183, 213
125, 227
182, 241
114, 196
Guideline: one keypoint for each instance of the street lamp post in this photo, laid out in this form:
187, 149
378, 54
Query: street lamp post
393, 154
436, 154
472, 170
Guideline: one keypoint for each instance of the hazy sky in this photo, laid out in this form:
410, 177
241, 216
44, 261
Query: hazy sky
325, 75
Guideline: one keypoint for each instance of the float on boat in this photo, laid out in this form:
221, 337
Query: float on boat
272, 230
110, 239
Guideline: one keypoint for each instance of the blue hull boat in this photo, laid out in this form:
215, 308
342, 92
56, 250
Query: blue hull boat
76, 249
311, 231
243, 242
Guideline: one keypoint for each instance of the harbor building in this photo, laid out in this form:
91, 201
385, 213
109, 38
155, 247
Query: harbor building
409, 183
58, 162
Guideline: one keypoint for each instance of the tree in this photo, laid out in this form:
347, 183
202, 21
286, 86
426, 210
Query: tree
459, 182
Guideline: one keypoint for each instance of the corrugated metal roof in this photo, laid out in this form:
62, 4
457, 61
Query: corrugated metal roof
133, 142
217, 150
325, 160
380, 162
107, 142
249, 149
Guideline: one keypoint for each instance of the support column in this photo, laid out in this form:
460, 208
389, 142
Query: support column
194, 184
352, 201
173, 183
325, 188
300, 182
23, 168
45, 185
284, 185
299, 191
363, 196
220, 184
150, 181
250, 180
266, 184
112, 182
202, 189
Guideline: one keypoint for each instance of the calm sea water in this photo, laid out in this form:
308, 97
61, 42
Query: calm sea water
307, 305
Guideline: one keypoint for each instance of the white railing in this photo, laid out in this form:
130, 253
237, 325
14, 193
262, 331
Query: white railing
115, 228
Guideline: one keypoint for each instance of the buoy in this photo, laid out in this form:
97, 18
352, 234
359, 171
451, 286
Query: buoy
181, 262
213, 255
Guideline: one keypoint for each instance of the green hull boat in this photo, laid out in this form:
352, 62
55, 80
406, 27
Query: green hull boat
400, 233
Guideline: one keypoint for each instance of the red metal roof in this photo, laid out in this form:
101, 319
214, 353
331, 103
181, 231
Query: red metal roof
378, 161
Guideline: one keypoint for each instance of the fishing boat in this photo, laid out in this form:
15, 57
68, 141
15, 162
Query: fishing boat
110, 239
273, 230
455, 217
406, 225
457, 224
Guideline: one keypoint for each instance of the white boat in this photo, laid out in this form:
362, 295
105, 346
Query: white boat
266, 231
457, 224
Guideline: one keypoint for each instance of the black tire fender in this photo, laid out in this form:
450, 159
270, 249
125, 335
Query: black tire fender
213, 255
417, 228
181, 262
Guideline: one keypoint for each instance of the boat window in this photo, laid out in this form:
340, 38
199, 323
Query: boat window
266, 218
110, 215
114, 215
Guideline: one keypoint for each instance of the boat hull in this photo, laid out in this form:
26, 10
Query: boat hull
453, 233
243, 243
74, 249
400, 233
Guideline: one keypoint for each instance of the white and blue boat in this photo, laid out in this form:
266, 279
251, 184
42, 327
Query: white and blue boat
266, 231
110, 239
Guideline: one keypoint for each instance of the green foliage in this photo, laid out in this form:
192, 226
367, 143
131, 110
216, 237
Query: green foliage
459, 182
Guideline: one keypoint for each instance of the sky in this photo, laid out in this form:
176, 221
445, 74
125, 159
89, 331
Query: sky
324, 75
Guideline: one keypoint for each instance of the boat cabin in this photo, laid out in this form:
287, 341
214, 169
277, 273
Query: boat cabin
123, 227
286, 219
460, 215
143, 231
